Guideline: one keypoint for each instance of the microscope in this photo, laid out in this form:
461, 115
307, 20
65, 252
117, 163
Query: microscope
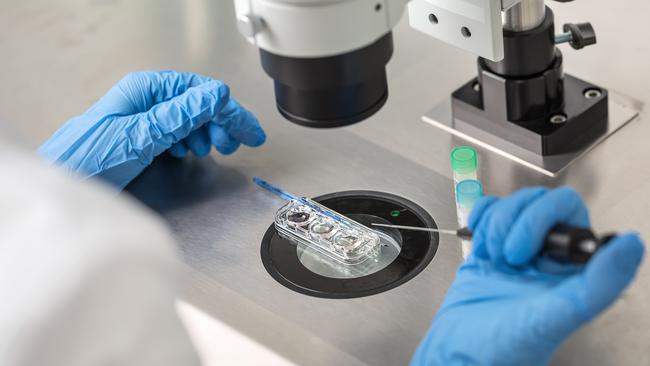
328, 57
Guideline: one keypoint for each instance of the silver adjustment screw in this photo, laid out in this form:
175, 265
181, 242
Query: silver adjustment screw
564, 38
558, 119
249, 25
593, 93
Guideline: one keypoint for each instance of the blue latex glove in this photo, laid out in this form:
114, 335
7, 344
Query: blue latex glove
507, 305
145, 114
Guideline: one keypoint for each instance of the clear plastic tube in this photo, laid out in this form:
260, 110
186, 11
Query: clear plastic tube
464, 165
468, 192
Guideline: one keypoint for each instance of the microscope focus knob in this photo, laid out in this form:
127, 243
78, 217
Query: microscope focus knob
578, 35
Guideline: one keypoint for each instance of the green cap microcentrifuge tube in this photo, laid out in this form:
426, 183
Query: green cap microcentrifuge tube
464, 163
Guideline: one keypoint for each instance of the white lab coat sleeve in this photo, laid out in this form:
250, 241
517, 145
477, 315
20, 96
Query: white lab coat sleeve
86, 276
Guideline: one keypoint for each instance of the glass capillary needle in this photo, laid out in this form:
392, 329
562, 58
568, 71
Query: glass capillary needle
464, 233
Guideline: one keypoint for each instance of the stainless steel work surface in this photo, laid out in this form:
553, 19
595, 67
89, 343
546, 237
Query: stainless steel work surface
58, 57
220, 218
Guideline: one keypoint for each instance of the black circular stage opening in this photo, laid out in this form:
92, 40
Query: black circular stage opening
281, 257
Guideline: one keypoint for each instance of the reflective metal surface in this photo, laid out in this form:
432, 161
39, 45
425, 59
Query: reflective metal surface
526, 15
220, 218
58, 57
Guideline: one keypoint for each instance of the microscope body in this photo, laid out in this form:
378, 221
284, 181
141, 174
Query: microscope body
328, 58
316, 28
526, 100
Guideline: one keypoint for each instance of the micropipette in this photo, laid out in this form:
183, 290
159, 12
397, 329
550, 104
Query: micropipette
291, 197
273, 189
563, 243
464, 233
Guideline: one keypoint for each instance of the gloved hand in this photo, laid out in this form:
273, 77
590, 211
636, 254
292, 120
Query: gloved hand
145, 114
508, 306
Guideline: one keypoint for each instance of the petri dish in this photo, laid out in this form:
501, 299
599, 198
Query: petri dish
388, 250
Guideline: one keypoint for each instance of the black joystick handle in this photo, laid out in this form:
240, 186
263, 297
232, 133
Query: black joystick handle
571, 244
564, 243
582, 35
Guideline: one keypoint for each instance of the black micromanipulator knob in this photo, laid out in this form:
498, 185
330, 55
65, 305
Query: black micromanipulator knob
570, 244
582, 34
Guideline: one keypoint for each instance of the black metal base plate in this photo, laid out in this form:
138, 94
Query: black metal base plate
281, 260
586, 119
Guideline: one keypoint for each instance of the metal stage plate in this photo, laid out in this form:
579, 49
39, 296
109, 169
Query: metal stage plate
621, 111
220, 216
